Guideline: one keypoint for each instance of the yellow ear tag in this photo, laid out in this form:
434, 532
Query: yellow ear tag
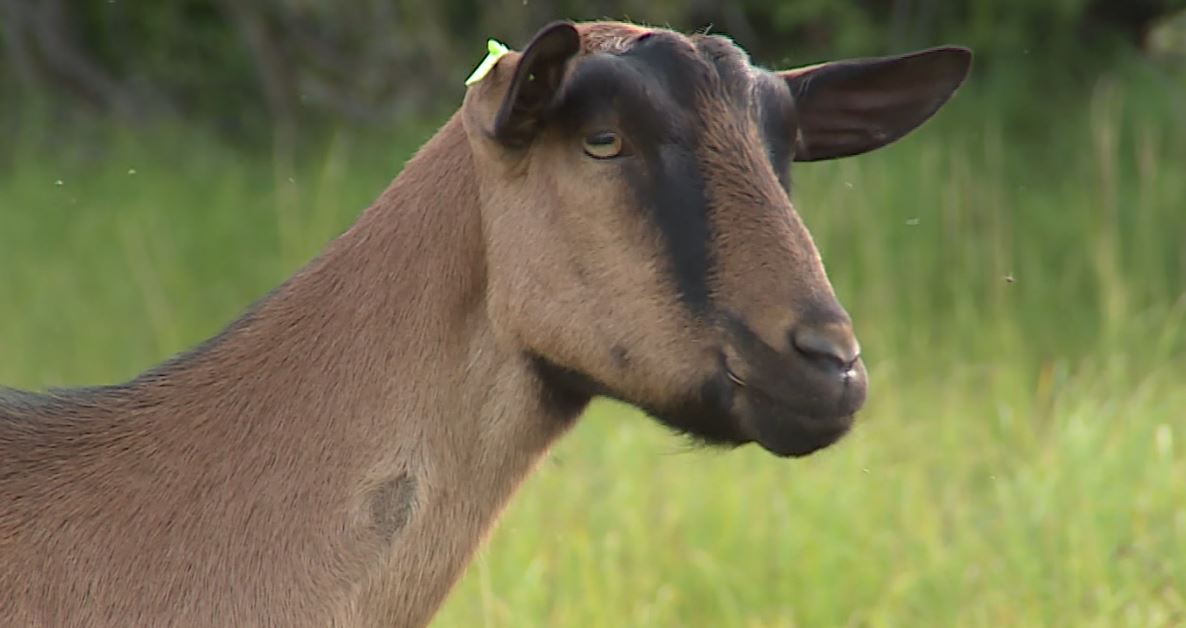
494, 52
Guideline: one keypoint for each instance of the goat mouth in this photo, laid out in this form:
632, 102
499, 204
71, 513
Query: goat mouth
792, 440
733, 377
778, 426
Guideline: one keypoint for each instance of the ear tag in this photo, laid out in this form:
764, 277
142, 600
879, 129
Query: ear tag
494, 52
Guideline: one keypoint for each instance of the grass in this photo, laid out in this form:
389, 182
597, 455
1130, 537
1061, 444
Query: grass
1019, 292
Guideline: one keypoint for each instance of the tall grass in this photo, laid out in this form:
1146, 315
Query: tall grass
1020, 294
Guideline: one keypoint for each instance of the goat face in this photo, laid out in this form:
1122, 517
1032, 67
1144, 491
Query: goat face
640, 240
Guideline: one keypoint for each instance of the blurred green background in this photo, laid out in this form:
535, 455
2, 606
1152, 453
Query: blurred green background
1016, 270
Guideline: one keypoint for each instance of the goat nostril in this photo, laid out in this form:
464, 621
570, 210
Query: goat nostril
833, 342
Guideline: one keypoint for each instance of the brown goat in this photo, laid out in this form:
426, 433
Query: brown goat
607, 214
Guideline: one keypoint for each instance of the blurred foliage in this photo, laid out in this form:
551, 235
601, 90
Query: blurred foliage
288, 64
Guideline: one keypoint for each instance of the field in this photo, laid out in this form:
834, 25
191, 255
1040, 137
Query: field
1018, 284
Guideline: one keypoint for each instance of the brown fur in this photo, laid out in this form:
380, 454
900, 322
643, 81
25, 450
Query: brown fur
336, 456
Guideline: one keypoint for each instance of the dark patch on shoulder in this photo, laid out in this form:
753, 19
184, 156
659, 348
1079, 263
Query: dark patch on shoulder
392, 505
620, 356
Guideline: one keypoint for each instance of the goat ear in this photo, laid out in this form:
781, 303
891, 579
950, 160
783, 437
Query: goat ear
537, 78
854, 106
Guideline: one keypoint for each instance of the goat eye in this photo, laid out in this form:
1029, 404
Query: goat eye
603, 145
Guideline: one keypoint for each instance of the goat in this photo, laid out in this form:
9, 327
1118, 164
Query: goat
606, 214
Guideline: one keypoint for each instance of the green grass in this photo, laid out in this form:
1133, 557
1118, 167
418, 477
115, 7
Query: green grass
1021, 462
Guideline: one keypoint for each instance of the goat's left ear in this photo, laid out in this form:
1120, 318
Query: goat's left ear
854, 106
536, 81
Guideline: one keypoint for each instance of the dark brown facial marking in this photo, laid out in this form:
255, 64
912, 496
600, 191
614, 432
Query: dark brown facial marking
392, 505
652, 88
776, 111
673, 187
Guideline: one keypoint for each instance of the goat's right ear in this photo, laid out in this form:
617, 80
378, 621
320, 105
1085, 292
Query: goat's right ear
854, 106
536, 81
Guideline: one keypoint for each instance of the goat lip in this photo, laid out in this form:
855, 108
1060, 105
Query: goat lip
795, 435
809, 393
733, 377
783, 428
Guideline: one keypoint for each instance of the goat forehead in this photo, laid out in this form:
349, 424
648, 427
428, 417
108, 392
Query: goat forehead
710, 63
670, 63
609, 37
736, 74
618, 37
